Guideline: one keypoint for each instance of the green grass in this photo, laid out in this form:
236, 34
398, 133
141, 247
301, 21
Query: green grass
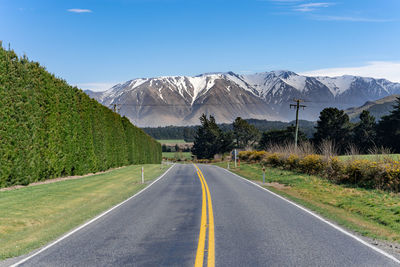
172, 141
177, 155
372, 213
372, 157
31, 217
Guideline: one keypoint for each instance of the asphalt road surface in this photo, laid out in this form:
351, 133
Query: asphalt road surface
208, 216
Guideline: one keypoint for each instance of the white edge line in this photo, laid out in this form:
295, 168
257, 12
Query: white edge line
319, 217
89, 222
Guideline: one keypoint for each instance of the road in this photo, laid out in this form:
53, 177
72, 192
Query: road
206, 216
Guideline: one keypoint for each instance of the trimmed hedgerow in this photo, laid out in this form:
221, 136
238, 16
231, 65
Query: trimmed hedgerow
50, 129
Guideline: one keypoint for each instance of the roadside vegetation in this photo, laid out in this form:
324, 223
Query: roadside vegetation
382, 172
32, 216
49, 129
372, 213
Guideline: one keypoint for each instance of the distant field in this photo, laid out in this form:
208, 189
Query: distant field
372, 157
31, 217
177, 155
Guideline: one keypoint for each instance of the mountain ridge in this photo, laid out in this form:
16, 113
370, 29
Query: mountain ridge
180, 100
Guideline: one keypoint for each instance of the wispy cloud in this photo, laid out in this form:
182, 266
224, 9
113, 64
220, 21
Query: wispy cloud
312, 6
377, 69
79, 10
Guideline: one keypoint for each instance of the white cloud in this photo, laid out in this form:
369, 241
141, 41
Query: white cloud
79, 10
376, 69
311, 6
97, 87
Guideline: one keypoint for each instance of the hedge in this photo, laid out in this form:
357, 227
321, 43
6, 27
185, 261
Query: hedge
50, 129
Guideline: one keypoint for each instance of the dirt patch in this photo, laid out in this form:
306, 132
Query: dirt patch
273, 184
49, 181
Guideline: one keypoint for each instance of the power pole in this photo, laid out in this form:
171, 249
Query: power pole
297, 106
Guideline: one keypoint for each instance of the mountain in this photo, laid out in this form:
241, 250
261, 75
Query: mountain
180, 100
378, 108
93, 94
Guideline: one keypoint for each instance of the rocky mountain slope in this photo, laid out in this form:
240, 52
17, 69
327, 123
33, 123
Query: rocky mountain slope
180, 100
378, 108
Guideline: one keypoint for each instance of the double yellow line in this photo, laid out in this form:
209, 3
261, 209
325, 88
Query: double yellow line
204, 226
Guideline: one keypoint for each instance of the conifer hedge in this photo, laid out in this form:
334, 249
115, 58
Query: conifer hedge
50, 129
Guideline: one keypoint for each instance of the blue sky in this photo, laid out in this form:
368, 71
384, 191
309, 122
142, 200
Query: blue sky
97, 43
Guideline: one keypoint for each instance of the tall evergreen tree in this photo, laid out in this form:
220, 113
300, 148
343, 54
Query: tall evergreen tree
388, 129
210, 140
334, 125
365, 132
245, 133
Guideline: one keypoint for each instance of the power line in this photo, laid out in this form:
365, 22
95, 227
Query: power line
297, 106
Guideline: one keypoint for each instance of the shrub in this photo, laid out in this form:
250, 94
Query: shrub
257, 155
312, 164
293, 162
383, 174
244, 155
335, 170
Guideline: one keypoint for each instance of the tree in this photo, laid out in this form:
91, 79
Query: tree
164, 148
388, 129
334, 125
280, 137
245, 133
210, 140
365, 132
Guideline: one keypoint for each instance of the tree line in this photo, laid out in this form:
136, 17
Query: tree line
50, 129
188, 133
333, 125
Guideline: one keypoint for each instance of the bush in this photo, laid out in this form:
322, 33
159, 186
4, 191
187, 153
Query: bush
312, 164
293, 162
257, 155
364, 173
244, 155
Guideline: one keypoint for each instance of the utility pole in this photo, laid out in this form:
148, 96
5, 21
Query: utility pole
297, 106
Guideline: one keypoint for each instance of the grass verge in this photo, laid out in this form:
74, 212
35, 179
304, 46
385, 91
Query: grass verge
372, 213
31, 217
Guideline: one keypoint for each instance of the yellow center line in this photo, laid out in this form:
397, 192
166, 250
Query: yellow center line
202, 236
211, 243
211, 238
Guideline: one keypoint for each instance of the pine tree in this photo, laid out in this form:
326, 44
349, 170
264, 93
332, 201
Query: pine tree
244, 133
365, 132
333, 125
388, 129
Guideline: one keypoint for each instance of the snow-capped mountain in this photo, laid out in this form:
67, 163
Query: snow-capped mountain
180, 100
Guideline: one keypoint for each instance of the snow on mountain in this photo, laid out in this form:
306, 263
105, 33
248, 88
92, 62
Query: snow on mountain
179, 99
